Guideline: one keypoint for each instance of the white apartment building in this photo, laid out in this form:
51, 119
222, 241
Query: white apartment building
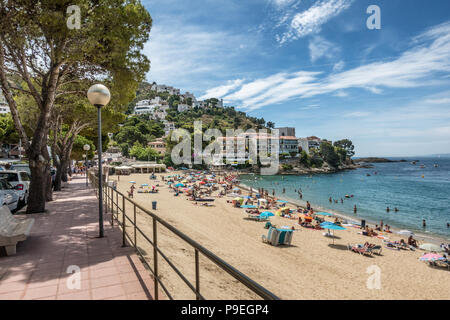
4, 107
190, 95
168, 126
164, 88
288, 144
144, 107
313, 143
183, 107
303, 144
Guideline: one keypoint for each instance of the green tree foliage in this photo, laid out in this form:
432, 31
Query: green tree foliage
8, 133
137, 129
346, 145
38, 49
143, 153
78, 151
329, 154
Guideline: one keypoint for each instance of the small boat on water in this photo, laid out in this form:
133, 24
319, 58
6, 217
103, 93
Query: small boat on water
413, 162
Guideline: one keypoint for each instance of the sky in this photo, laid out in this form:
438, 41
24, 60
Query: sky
315, 66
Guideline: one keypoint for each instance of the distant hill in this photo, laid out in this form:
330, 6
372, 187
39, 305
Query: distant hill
376, 160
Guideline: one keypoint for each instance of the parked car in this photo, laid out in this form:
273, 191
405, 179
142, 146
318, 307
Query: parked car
8, 195
21, 181
21, 167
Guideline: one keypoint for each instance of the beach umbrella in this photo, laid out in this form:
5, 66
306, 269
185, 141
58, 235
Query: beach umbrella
324, 214
431, 247
268, 214
179, 185
247, 197
331, 226
431, 257
133, 182
304, 216
144, 185
248, 206
282, 201
406, 233
238, 199
236, 189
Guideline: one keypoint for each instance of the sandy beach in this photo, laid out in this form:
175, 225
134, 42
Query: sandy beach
312, 268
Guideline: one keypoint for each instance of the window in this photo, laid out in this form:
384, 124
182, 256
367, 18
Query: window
11, 177
24, 176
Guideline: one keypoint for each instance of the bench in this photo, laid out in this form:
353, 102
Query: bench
13, 230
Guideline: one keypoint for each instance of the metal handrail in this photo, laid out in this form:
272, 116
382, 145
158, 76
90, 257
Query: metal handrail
110, 192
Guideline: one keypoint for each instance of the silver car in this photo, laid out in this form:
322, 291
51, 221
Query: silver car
8, 195
21, 181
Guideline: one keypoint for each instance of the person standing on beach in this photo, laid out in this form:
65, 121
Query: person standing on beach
355, 210
273, 192
424, 223
330, 200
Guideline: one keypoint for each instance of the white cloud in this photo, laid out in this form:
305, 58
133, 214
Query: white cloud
311, 107
222, 90
321, 48
339, 66
438, 101
357, 114
311, 20
419, 66
180, 55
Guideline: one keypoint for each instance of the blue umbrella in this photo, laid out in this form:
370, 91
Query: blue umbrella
144, 185
249, 207
324, 214
268, 213
282, 201
179, 185
132, 181
331, 226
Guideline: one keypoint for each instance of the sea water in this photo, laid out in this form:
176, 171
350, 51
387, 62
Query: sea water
418, 192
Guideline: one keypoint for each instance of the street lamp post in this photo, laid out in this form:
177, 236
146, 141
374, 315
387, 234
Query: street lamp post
99, 96
86, 148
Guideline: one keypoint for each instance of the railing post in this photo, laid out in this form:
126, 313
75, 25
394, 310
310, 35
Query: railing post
135, 227
155, 257
123, 223
110, 202
117, 206
197, 275
105, 198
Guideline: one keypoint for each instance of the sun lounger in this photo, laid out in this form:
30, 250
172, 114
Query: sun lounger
361, 249
12, 230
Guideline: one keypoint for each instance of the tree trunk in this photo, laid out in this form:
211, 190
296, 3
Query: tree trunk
58, 178
64, 175
36, 197
48, 185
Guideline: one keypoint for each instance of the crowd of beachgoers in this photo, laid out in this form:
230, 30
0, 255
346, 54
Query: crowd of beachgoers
202, 188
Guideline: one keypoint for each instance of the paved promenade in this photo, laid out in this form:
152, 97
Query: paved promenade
67, 236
